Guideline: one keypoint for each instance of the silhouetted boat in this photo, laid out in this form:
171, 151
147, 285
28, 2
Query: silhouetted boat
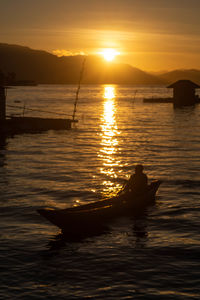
92, 216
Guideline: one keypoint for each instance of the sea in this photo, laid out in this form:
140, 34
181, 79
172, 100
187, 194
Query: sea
155, 255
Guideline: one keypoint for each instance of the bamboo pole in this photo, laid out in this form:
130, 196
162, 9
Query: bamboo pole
78, 89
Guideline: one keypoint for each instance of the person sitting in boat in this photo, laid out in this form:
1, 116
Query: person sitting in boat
138, 182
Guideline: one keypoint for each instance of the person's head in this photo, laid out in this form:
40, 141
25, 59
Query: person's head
138, 168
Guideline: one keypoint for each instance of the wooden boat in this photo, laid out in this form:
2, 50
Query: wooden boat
92, 216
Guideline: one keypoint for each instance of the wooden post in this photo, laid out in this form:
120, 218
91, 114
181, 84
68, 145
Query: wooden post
2, 103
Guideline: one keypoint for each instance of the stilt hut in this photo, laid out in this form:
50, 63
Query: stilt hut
184, 93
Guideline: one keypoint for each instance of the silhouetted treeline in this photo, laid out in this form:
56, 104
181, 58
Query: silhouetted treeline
11, 79
7, 79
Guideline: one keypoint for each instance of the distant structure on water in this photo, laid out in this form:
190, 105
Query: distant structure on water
10, 125
183, 94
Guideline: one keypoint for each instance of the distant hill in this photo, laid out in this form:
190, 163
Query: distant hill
170, 77
43, 67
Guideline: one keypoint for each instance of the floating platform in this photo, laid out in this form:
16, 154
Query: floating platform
167, 100
158, 100
15, 125
11, 125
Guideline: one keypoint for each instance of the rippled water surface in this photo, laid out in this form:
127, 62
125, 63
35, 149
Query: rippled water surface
155, 256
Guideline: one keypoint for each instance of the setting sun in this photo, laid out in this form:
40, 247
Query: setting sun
109, 54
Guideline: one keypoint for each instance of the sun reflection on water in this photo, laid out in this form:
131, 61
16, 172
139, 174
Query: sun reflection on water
109, 92
109, 141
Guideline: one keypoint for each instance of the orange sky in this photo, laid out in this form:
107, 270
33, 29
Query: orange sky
150, 34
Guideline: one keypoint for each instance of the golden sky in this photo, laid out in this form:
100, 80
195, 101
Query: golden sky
150, 34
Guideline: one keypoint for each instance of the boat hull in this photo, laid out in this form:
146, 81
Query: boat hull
95, 215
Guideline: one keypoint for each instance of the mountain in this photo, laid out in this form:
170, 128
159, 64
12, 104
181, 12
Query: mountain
99, 71
173, 76
36, 65
42, 67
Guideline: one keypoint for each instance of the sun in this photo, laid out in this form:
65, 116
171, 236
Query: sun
109, 54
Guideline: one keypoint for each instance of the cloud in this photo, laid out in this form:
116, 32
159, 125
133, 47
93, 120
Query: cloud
63, 52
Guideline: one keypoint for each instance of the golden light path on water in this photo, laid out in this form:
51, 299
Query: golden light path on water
109, 141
